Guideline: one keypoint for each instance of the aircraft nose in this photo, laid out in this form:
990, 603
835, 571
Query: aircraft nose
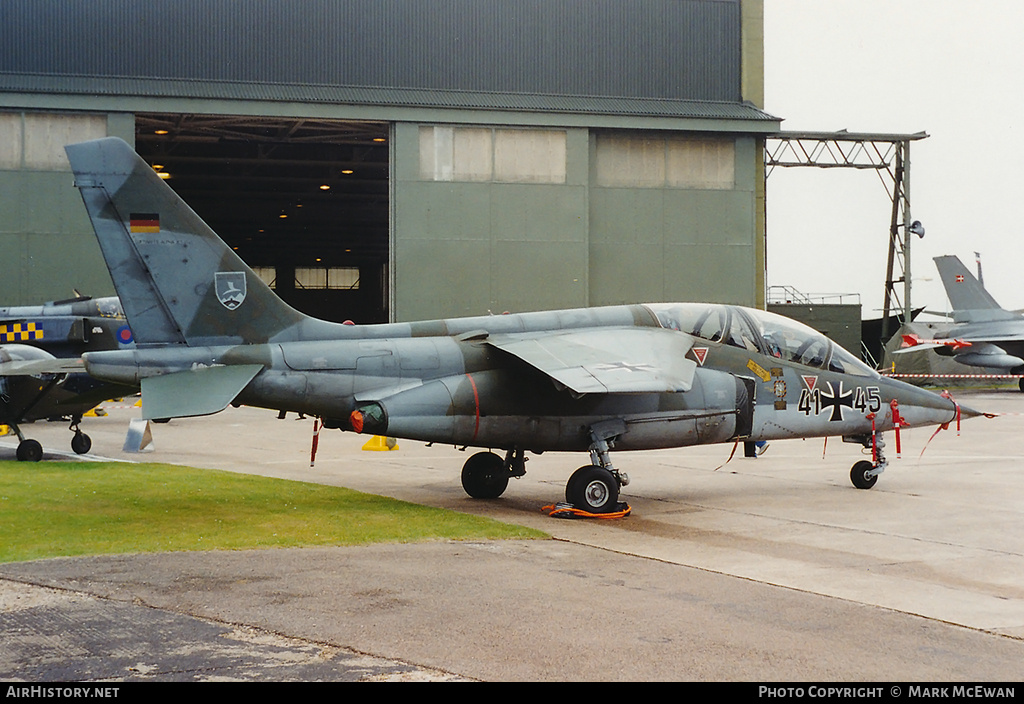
920, 407
968, 412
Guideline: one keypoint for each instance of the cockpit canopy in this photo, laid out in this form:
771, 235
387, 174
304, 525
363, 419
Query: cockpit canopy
761, 332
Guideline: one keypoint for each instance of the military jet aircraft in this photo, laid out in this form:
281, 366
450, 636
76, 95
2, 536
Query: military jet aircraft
983, 334
209, 332
33, 387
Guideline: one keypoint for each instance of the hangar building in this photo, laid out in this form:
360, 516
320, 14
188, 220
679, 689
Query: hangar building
404, 159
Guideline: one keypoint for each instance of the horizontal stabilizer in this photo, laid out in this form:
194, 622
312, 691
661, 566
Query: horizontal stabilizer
629, 360
196, 392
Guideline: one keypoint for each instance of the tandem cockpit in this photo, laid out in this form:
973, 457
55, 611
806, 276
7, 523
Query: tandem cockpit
760, 332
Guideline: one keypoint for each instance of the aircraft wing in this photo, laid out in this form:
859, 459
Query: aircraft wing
627, 360
912, 343
32, 367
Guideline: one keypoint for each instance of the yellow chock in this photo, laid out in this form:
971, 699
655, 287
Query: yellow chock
95, 412
379, 443
4, 430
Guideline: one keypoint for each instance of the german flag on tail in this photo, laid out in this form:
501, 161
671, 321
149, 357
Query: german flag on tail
144, 222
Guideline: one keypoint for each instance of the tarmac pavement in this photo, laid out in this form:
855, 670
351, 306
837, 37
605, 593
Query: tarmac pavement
767, 569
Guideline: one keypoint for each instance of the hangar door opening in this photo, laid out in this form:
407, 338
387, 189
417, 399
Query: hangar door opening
303, 202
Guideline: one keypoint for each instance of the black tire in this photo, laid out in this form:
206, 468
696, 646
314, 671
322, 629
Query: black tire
484, 476
30, 451
81, 443
859, 476
593, 489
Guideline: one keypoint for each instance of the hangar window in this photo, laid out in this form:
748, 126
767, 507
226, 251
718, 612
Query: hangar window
36, 140
266, 274
655, 161
333, 277
492, 154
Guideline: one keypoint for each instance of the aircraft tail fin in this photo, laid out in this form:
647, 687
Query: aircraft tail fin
968, 297
178, 282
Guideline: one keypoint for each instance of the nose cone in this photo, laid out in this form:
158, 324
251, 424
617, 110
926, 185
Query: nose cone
968, 412
920, 407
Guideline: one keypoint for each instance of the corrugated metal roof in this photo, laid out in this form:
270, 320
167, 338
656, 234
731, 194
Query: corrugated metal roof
392, 97
650, 50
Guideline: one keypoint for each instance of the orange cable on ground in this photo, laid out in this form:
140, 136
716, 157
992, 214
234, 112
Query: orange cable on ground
564, 510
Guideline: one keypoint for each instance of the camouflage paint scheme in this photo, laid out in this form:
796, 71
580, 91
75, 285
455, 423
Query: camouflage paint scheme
209, 333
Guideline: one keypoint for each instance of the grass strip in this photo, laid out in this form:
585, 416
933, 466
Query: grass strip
54, 509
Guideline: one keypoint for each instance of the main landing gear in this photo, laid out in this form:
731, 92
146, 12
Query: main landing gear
30, 450
593, 488
485, 475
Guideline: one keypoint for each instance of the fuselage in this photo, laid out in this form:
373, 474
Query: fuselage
756, 376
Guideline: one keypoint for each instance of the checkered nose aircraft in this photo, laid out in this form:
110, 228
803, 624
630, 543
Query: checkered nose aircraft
597, 380
34, 386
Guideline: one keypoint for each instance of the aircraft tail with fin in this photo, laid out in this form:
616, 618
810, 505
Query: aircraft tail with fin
178, 282
970, 301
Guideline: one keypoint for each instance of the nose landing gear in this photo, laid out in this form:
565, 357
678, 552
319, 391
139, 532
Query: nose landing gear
865, 473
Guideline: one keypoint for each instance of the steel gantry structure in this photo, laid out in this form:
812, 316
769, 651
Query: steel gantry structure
888, 155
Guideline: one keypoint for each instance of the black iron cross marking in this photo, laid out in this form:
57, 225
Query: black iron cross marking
625, 366
836, 399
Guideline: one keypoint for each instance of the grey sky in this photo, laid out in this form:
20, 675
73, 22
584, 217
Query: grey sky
952, 68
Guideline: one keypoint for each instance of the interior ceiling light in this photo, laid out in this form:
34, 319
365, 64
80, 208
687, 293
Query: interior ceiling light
347, 171
325, 187
379, 139
161, 132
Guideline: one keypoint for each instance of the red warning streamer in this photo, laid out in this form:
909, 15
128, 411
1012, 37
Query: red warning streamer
316, 440
897, 423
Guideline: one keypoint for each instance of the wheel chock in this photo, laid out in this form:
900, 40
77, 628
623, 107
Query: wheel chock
4, 430
139, 438
95, 412
379, 443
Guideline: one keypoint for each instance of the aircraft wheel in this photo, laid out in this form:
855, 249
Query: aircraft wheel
859, 475
30, 451
81, 443
593, 489
484, 476
1020, 383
